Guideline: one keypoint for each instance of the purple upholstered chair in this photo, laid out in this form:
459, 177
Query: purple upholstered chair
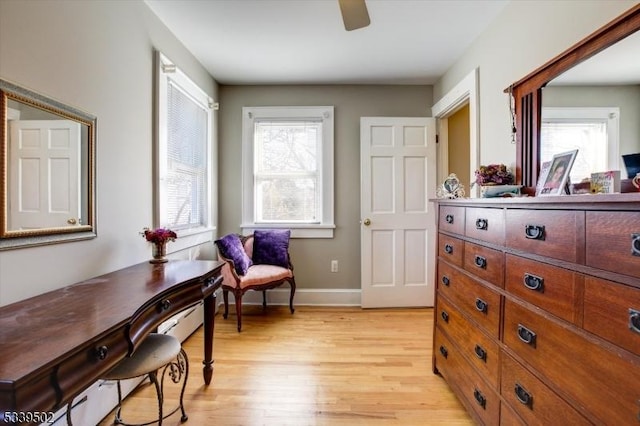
255, 262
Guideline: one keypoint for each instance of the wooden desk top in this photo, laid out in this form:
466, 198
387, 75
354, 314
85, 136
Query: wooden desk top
54, 343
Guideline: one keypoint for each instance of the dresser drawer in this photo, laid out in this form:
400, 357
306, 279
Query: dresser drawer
485, 224
532, 399
485, 263
474, 392
479, 349
612, 311
549, 287
477, 301
554, 233
613, 241
602, 381
451, 219
508, 417
451, 249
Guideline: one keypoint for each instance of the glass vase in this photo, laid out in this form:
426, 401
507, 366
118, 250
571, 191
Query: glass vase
159, 252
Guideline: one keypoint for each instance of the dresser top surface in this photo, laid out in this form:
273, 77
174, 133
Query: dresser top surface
627, 201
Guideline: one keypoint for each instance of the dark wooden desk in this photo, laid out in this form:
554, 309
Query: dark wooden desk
56, 344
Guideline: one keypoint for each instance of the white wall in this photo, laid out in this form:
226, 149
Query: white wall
524, 36
97, 56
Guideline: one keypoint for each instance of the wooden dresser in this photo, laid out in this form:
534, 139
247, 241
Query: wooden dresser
538, 308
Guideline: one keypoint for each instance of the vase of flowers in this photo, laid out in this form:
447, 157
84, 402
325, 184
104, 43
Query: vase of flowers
488, 177
159, 238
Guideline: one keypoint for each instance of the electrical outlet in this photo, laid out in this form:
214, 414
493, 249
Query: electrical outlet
334, 266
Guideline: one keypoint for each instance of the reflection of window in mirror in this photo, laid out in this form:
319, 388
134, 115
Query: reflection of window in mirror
184, 147
592, 131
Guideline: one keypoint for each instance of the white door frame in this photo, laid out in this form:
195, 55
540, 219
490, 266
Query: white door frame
465, 91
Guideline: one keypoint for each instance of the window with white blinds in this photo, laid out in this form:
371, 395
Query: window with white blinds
288, 169
183, 151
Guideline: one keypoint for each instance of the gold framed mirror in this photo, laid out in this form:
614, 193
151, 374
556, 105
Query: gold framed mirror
47, 170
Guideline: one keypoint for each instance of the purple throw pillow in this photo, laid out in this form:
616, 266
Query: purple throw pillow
231, 247
271, 247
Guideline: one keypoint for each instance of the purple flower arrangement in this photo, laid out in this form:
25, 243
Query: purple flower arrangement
494, 174
159, 235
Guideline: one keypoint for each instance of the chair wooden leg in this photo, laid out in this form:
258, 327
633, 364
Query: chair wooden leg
264, 299
292, 283
238, 297
225, 296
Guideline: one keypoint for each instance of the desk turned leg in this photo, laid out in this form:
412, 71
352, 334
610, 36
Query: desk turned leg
209, 311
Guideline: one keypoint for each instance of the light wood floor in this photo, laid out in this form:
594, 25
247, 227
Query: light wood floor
320, 366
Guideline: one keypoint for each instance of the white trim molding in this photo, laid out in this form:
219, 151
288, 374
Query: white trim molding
465, 91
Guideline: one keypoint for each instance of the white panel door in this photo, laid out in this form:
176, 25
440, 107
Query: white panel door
398, 173
45, 160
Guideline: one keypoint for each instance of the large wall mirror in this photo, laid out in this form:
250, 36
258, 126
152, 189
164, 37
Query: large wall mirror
47, 170
596, 81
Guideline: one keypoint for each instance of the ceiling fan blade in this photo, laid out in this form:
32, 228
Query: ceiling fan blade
354, 14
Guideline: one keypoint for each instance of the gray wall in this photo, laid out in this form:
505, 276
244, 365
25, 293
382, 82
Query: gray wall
527, 34
97, 56
311, 257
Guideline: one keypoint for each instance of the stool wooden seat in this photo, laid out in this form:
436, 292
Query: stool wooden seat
156, 352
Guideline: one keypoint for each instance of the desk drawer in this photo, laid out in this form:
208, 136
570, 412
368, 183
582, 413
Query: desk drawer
485, 224
451, 219
532, 399
149, 317
485, 263
613, 241
477, 301
474, 392
451, 249
91, 362
612, 311
553, 233
549, 287
576, 364
479, 349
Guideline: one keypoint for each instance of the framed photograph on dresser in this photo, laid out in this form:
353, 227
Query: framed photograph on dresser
558, 175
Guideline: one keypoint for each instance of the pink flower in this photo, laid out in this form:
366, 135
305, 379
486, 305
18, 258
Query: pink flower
159, 235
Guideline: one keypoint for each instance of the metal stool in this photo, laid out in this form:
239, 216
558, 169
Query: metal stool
157, 351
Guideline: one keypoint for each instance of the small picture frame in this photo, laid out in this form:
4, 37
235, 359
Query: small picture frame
558, 176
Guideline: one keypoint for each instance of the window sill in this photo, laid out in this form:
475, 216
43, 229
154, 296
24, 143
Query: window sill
189, 238
297, 230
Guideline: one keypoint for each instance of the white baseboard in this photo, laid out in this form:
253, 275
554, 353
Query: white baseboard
303, 297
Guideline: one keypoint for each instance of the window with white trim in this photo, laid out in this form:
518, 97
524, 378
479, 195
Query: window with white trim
593, 131
288, 170
183, 151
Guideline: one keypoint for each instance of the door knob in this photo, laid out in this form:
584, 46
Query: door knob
71, 221
367, 222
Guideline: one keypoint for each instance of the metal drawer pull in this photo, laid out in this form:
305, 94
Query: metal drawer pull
445, 280
523, 396
534, 232
448, 248
480, 399
481, 305
444, 351
481, 262
526, 335
164, 305
449, 218
635, 244
482, 224
101, 352
634, 320
480, 353
445, 316
533, 282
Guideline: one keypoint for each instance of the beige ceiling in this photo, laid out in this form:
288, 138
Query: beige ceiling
304, 41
